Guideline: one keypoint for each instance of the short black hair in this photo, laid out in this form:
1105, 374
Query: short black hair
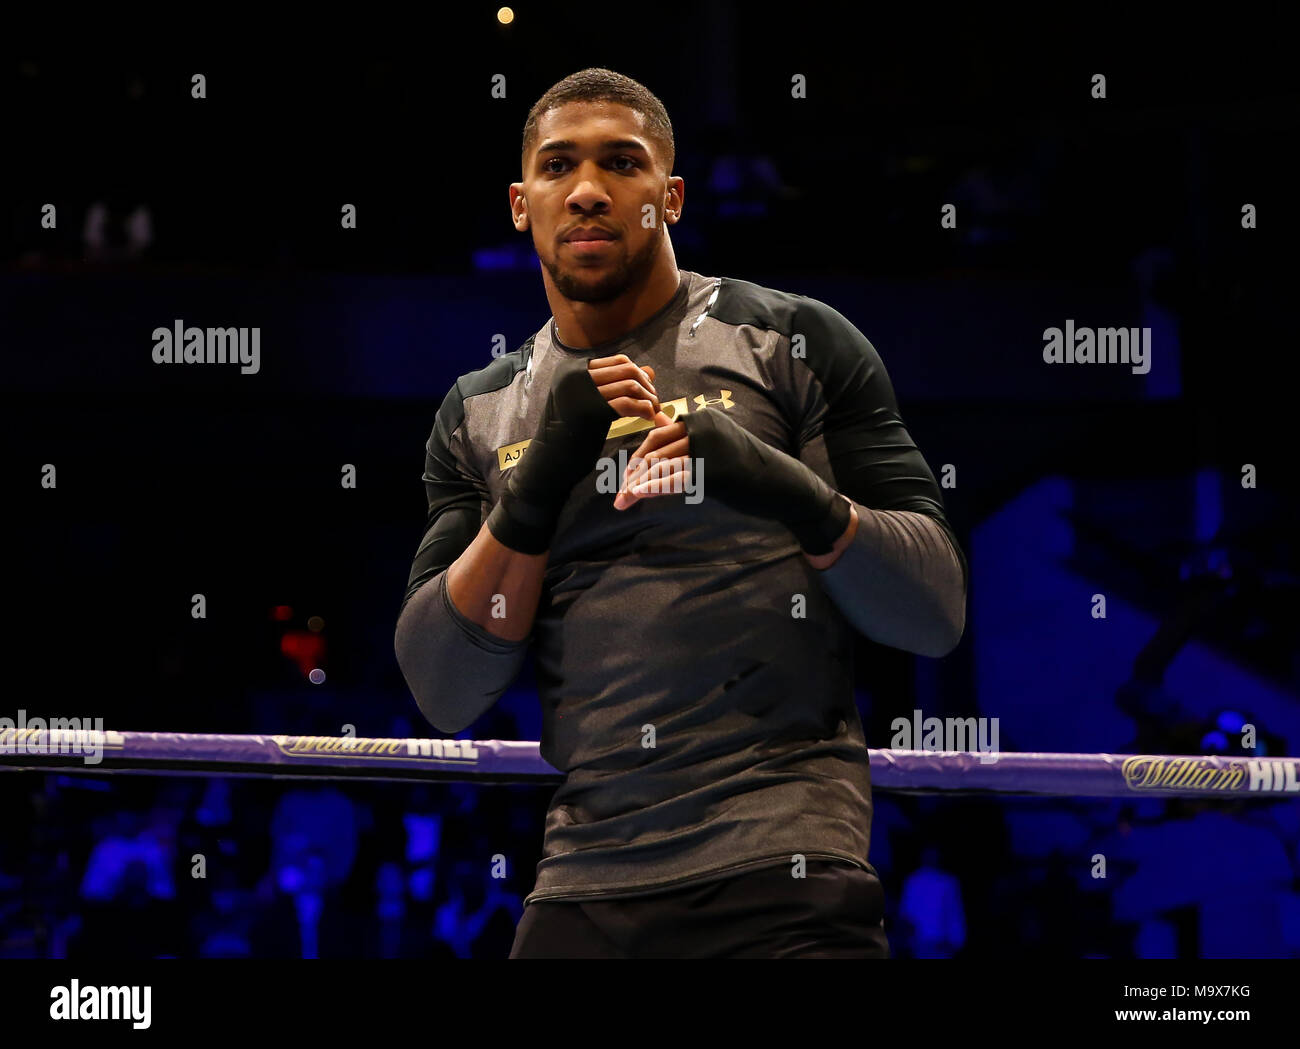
604, 85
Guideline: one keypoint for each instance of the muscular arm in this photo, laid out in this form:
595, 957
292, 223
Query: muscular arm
497, 588
898, 573
471, 600
897, 576
456, 658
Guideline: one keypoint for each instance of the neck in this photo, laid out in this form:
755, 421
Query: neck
586, 324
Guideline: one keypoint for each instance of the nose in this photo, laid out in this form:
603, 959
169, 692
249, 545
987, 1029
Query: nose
588, 194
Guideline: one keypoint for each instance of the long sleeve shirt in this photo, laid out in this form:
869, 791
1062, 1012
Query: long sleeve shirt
694, 670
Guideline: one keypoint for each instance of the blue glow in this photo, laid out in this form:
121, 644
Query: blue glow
1209, 505
1214, 743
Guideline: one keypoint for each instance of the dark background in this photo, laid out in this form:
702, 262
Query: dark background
1070, 480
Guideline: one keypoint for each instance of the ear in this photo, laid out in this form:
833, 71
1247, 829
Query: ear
518, 206
676, 198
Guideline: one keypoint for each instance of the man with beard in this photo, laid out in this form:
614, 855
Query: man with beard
693, 655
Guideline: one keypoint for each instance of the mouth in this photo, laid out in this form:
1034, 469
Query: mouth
584, 248
589, 235
588, 243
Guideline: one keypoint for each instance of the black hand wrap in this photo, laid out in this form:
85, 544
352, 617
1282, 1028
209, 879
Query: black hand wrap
755, 478
572, 431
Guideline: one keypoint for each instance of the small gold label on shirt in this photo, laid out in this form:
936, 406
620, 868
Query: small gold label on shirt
508, 455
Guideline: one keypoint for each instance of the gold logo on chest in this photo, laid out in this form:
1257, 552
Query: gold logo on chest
508, 455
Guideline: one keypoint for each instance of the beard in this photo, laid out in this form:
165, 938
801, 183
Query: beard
580, 284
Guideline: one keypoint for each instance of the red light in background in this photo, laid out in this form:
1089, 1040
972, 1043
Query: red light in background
280, 613
304, 648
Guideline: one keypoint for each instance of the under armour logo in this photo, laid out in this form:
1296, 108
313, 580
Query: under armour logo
725, 400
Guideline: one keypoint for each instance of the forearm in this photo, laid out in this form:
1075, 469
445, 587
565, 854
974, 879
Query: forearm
497, 588
898, 580
455, 669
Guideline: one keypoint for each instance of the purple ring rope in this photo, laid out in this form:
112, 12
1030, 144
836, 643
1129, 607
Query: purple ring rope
508, 761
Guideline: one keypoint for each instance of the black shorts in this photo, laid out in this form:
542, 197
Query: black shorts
837, 911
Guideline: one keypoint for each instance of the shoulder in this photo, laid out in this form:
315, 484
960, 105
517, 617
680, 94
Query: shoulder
744, 302
493, 377
826, 341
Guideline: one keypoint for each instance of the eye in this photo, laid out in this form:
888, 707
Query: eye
632, 164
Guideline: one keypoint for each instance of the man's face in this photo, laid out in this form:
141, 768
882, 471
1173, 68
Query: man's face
592, 167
